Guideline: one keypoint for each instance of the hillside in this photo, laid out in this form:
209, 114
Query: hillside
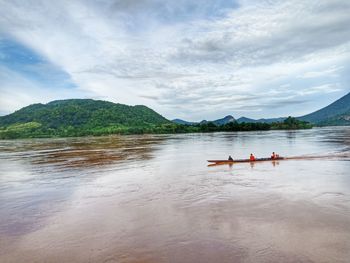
338, 120
333, 114
77, 117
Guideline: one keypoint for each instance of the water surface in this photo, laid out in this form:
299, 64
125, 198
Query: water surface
153, 198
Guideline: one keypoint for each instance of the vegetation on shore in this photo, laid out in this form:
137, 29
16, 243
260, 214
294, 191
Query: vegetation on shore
71, 118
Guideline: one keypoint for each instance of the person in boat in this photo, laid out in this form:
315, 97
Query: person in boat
230, 158
273, 155
252, 157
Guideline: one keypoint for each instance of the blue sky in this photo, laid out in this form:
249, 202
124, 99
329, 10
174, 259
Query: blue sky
194, 60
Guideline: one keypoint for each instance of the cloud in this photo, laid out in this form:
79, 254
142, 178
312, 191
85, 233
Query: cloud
169, 11
189, 59
253, 36
324, 89
330, 72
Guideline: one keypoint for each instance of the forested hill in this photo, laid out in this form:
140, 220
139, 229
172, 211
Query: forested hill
80, 117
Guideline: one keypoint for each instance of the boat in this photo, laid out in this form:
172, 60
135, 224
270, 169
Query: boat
245, 160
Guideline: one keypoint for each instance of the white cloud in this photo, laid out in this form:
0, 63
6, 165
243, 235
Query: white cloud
323, 89
195, 65
330, 72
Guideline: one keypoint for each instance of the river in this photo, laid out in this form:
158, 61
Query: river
152, 198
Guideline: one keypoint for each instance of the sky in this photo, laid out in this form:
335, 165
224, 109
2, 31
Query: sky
188, 59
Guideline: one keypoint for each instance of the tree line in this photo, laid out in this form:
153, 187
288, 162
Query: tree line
35, 129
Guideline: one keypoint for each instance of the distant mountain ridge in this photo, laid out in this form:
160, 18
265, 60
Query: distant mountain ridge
271, 120
219, 122
224, 120
229, 119
336, 113
182, 122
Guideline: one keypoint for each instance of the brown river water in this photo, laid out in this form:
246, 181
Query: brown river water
152, 198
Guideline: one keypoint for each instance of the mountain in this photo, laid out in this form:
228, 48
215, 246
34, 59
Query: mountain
229, 119
81, 117
334, 114
217, 122
271, 120
77, 117
246, 120
224, 120
337, 113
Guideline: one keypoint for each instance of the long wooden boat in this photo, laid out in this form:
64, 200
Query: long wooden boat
245, 160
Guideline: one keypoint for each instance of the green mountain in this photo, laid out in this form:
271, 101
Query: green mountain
336, 113
78, 117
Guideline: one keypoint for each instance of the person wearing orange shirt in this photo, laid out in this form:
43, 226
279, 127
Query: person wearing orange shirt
252, 157
273, 155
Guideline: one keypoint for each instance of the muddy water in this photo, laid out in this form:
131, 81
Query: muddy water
154, 199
